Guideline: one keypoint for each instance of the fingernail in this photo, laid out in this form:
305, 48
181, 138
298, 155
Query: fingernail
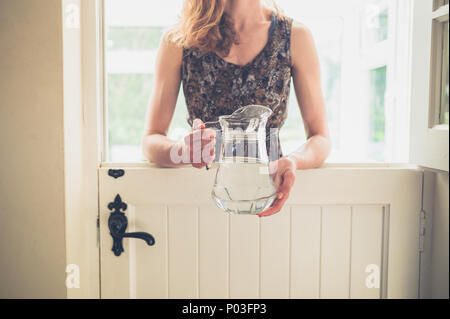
280, 196
197, 124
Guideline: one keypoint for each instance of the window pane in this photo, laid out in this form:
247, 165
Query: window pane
134, 38
439, 3
375, 23
133, 32
377, 89
328, 33
127, 99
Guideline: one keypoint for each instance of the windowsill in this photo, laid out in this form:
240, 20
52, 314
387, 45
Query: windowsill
440, 128
324, 166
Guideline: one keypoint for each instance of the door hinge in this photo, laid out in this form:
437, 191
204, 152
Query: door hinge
422, 230
98, 231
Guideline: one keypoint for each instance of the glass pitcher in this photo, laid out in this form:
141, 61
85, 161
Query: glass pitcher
243, 184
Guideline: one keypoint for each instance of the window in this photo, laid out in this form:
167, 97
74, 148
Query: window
358, 43
444, 110
439, 110
429, 85
133, 30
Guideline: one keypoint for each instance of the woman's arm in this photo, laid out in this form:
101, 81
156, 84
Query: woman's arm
197, 148
306, 75
156, 146
307, 85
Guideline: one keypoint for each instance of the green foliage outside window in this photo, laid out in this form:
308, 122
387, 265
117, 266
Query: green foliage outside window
128, 96
134, 38
376, 104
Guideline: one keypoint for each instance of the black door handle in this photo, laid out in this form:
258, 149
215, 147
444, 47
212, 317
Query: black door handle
118, 223
140, 235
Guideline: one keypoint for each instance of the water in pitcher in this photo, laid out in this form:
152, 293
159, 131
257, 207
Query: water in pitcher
243, 184
243, 188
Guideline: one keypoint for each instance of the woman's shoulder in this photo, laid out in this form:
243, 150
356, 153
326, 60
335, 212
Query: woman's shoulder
170, 43
170, 52
301, 35
297, 30
300, 30
298, 33
302, 43
174, 45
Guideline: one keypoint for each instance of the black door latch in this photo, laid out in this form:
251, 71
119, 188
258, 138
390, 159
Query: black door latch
118, 223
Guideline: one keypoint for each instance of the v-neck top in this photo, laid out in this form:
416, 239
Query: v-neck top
214, 87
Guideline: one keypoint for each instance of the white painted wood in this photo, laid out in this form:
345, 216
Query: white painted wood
244, 257
307, 251
335, 259
366, 252
79, 29
151, 269
183, 249
429, 143
426, 256
114, 271
440, 239
275, 251
441, 14
213, 252
347, 165
395, 186
305, 229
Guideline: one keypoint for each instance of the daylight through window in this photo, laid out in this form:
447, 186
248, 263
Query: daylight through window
356, 41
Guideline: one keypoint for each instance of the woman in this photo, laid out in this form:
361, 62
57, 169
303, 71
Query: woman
231, 53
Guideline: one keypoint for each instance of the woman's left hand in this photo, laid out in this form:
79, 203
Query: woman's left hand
284, 177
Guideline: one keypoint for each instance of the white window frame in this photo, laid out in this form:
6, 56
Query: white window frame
439, 16
428, 139
396, 60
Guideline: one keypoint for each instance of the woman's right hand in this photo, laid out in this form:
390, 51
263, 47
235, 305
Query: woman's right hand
200, 144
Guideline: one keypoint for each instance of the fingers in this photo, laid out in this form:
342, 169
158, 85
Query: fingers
203, 135
273, 167
283, 192
276, 206
277, 180
201, 144
201, 151
200, 157
288, 181
198, 124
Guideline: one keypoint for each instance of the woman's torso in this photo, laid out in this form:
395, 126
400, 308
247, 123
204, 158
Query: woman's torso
214, 87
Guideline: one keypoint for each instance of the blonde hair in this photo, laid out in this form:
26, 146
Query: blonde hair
205, 25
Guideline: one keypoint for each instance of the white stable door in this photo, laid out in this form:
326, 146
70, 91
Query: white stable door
344, 233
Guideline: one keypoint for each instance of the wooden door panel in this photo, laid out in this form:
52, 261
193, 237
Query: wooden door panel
314, 248
183, 251
214, 253
366, 251
335, 247
305, 251
244, 256
150, 265
275, 241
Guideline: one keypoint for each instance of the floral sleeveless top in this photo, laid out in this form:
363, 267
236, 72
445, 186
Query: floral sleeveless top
214, 87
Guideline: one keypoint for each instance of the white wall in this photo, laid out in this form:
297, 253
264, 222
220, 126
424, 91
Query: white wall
32, 236
440, 239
